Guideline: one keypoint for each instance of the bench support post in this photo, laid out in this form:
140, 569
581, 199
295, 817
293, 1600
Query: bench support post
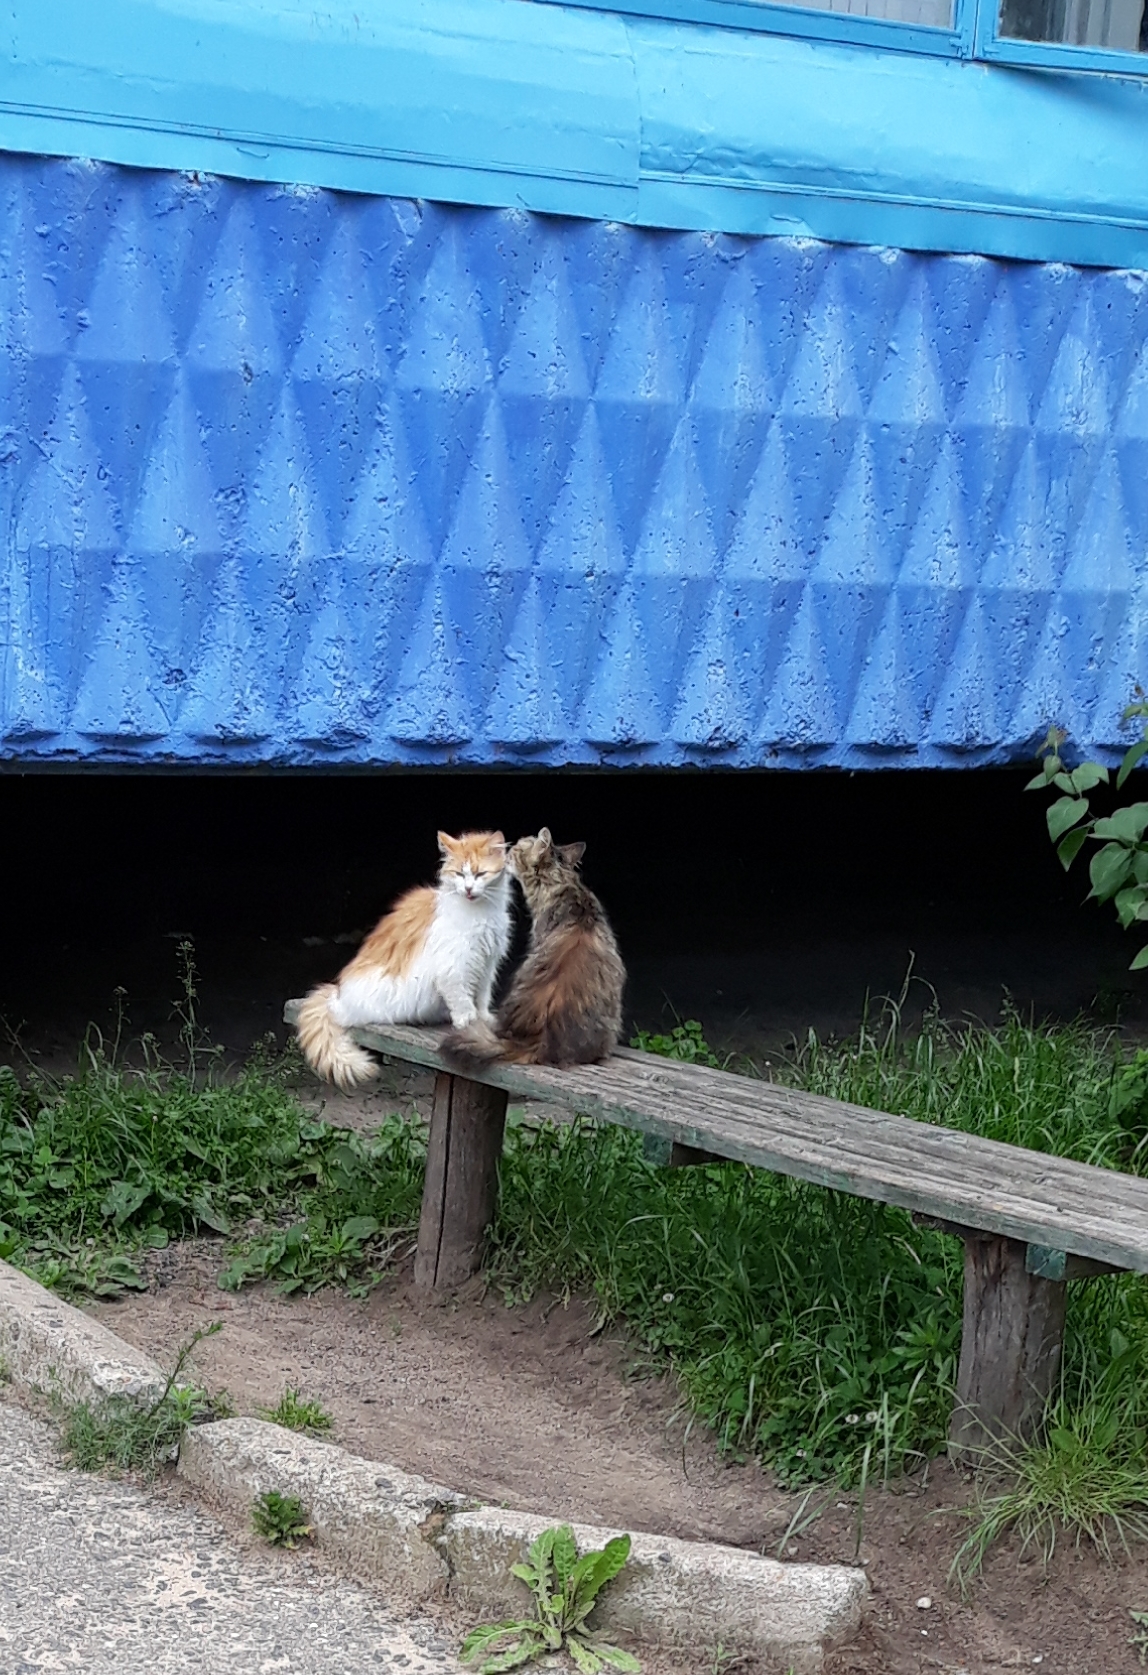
1010, 1346
461, 1191
675, 1154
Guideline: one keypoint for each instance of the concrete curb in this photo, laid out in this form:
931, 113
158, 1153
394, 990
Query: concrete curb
380, 1523
420, 1542
693, 1594
48, 1347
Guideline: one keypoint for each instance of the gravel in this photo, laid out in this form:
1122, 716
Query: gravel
101, 1576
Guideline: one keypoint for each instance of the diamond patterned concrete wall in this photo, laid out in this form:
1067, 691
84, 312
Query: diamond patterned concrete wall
297, 478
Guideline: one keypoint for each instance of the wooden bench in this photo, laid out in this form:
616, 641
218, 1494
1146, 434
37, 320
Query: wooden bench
1030, 1222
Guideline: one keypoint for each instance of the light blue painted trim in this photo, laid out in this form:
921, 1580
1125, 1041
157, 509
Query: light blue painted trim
1043, 167
494, 102
803, 22
575, 111
778, 209
1047, 55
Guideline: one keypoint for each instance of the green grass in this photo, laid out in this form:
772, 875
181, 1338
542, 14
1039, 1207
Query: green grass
1050, 1087
128, 1435
98, 1167
813, 1330
806, 1326
295, 1413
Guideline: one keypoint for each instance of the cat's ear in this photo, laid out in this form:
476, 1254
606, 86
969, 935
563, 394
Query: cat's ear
572, 853
445, 843
497, 841
545, 839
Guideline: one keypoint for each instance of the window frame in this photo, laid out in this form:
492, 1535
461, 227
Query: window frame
973, 35
991, 48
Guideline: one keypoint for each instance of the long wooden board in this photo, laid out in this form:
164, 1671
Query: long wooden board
960, 1178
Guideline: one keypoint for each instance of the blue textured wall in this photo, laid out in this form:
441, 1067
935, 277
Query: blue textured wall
297, 478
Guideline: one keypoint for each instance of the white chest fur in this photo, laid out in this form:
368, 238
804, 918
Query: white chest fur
451, 977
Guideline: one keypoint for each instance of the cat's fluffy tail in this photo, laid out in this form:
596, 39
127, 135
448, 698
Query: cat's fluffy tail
327, 1046
478, 1045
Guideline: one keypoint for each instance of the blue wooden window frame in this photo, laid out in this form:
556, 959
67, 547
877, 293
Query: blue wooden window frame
804, 22
973, 35
1048, 55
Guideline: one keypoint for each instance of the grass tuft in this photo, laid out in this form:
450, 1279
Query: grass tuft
294, 1413
1085, 1480
126, 1435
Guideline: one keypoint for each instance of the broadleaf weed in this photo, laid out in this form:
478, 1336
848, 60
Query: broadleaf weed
281, 1519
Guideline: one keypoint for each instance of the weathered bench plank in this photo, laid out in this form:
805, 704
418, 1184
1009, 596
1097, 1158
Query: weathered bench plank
985, 1185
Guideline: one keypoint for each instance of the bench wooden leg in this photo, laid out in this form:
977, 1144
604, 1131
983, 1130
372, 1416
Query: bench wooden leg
1010, 1346
673, 1154
461, 1191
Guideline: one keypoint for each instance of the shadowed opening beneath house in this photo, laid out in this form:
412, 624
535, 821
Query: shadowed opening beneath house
760, 903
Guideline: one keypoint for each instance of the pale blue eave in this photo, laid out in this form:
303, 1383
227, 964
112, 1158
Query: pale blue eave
581, 112
757, 133
494, 103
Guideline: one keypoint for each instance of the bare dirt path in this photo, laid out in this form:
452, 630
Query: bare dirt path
530, 1407
534, 1408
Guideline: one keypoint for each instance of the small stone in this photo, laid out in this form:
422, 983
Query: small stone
924, 1603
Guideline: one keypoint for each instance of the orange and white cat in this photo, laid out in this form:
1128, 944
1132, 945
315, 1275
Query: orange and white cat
432, 959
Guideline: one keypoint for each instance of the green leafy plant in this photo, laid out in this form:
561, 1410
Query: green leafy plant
281, 1519
295, 1414
328, 1246
1119, 869
123, 1433
565, 1589
725, 1662
136, 1150
685, 1042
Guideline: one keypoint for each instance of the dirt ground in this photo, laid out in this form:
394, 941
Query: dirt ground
534, 1408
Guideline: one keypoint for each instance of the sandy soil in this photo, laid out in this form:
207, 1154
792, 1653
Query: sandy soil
535, 1408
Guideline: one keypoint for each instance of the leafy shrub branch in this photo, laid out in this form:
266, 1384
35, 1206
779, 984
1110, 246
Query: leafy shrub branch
1119, 869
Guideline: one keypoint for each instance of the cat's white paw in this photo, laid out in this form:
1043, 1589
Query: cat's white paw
463, 1019
488, 1017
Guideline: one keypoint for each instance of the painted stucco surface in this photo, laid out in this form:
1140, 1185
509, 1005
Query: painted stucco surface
297, 478
570, 111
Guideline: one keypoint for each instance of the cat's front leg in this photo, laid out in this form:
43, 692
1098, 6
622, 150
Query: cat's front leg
483, 997
459, 1003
